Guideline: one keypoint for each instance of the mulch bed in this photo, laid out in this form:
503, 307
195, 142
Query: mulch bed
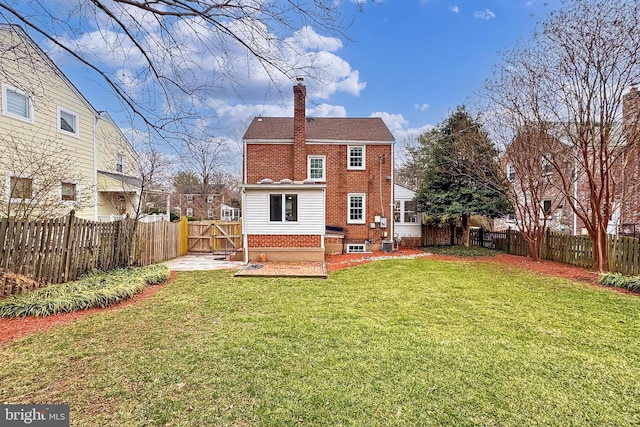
11, 329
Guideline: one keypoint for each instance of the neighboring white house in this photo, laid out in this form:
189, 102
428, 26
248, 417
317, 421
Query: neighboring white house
229, 213
284, 221
408, 221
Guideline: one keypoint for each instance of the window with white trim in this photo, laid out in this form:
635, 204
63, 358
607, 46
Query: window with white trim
546, 207
410, 215
511, 172
356, 248
511, 217
189, 211
356, 208
397, 212
547, 166
68, 192
20, 187
210, 198
210, 213
189, 198
283, 207
316, 168
68, 122
16, 104
120, 163
356, 157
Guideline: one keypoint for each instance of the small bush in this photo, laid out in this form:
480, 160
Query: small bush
461, 251
617, 280
98, 289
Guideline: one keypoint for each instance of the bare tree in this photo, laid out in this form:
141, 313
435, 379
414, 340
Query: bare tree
571, 81
42, 180
167, 60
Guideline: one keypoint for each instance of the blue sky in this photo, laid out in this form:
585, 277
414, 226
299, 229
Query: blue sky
410, 62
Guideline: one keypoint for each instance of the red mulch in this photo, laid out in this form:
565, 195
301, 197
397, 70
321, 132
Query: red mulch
17, 327
11, 329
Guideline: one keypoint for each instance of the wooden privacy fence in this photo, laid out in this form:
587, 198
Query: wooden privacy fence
60, 250
214, 236
624, 252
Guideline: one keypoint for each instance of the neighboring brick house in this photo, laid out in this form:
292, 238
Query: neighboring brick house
316, 185
560, 217
212, 203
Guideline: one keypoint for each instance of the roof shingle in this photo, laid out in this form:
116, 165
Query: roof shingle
320, 129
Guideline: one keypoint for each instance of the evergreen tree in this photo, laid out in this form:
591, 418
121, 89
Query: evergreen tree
457, 159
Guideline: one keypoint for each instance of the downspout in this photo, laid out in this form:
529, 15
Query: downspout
392, 203
245, 240
575, 197
95, 168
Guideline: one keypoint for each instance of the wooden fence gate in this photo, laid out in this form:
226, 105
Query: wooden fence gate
218, 237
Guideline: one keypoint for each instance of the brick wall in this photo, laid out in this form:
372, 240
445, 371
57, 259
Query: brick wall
283, 241
274, 161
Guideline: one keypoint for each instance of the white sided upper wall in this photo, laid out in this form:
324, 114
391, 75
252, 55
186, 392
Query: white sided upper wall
402, 227
311, 210
113, 147
25, 69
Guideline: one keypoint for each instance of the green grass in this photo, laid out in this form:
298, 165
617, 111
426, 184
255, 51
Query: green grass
461, 251
397, 342
99, 289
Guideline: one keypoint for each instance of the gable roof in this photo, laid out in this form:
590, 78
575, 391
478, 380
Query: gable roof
20, 32
320, 129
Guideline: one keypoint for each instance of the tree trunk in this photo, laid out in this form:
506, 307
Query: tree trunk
466, 230
601, 250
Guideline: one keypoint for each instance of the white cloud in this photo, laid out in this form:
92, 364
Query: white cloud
307, 38
454, 9
421, 107
486, 14
327, 110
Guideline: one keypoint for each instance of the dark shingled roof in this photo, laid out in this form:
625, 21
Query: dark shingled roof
321, 128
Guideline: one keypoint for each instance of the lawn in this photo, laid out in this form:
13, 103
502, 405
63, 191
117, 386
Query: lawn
397, 342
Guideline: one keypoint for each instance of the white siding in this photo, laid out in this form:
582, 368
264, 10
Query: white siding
311, 212
26, 68
402, 229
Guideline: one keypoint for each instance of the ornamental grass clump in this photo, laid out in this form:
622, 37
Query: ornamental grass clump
617, 280
97, 289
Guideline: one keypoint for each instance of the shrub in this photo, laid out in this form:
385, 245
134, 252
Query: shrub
617, 280
98, 289
461, 251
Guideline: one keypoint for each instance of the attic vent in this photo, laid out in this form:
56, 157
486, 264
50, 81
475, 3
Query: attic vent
259, 119
286, 181
266, 181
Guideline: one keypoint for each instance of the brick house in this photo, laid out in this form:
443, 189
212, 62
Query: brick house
316, 185
626, 171
199, 203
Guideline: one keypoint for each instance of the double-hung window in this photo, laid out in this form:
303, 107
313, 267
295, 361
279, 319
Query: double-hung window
356, 208
283, 207
356, 157
68, 122
20, 188
120, 163
547, 166
316, 168
16, 104
68, 192
511, 172
546, 207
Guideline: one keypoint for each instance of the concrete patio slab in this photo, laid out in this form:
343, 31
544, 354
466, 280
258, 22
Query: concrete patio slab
202, 262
